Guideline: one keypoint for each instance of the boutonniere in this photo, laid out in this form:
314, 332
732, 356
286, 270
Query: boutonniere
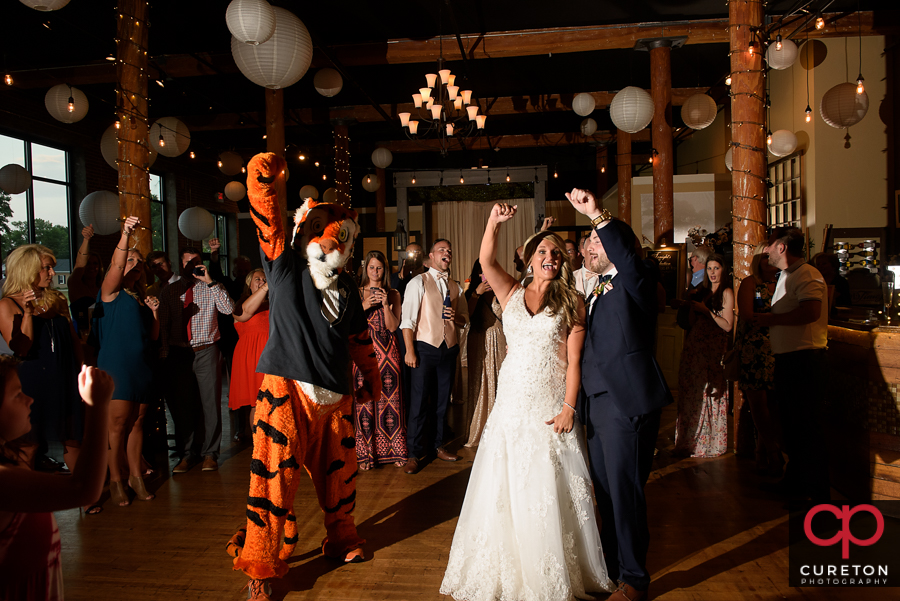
600, 288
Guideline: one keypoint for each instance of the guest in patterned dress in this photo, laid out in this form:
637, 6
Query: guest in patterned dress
757, 376
381, 424
486, 350
701, 429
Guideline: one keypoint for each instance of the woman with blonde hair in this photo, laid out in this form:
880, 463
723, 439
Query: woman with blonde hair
35, 323
252, 326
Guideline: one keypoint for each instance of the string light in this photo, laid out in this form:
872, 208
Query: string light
302, 157
243, 170
194, 156
219, 164
324, 177
118, 124
8, 79
728, 80
507, 174
603, 169
160, 83
820, 22
555, 174
462, 180
316, 163
752, 47
413, 180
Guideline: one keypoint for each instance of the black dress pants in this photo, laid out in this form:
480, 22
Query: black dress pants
430, 386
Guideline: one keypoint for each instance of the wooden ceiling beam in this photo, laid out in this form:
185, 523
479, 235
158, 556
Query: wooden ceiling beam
519, 141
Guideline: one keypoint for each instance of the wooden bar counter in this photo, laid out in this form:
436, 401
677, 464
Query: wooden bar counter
862, 411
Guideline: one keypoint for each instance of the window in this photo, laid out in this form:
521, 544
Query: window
221, 232
785, 205
157, 213
41, 213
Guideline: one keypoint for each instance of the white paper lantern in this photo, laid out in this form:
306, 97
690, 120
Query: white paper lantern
583, 104
281, 61
842, 107
784, 58
699, 111
382, 157
308, 191
196, 223
328, 82
57, 102
588, 127
101, 209
250, 21
371, 182
235, 191
728, 157
14, 179
45, 5
109, 148
231, 163
784, 142
330, 195
631, 109
175, 134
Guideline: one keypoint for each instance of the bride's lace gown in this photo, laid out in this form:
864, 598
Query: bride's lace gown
527, 529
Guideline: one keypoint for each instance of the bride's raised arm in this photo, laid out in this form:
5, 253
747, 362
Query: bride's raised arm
501, 282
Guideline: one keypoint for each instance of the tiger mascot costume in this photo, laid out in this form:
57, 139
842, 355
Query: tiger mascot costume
304, 411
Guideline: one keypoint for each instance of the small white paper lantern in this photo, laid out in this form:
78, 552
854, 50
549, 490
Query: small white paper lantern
109, 148
699, 111
175, 134
101, 209
631, 109
784, 58
784, 142
250, 21
196, 223
57, 102
45, 5
328, 82
728, 157
282, 60
235, 191
371, 182
583, 104
382, 157
231, 163
308, 191
14, 179
330, 195
842, 107
588, 127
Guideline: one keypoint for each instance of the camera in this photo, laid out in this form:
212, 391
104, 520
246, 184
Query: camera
199, 270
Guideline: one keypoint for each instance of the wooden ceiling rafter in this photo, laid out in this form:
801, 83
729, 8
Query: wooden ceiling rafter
514, 141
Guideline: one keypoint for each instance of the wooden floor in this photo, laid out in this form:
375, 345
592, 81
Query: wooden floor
715, 536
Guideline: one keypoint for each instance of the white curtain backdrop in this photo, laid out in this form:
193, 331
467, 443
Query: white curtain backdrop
463, 223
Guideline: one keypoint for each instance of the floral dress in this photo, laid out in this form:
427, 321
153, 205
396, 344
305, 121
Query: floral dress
757, 360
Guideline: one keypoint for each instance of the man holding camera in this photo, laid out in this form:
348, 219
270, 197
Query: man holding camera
189, 331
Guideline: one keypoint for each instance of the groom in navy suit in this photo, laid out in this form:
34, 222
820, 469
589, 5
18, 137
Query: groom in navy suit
624, 392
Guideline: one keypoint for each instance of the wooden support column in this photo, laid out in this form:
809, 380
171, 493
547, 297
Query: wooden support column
380, 200
132, 153
275, 140
602, 175
663, 162
623, 164
342, 163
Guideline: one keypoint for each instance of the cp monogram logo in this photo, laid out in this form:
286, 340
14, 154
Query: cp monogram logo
844, 535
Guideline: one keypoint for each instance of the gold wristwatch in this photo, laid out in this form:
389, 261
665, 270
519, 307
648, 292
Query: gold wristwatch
605, 215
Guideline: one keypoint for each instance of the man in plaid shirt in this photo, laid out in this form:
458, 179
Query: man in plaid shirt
189, 330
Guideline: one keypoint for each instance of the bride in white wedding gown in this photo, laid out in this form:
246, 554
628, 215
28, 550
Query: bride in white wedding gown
527, 529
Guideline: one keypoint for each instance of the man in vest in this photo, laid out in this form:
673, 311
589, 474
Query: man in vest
433, 308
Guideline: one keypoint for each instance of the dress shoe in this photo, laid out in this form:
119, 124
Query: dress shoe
445, 455
210, 465
412, 466
626, 592
184, 465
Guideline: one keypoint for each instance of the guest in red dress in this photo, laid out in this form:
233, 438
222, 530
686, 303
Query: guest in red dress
381, 424
252, 326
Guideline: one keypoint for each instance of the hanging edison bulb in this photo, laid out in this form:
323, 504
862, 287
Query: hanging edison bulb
860, 88
808, 113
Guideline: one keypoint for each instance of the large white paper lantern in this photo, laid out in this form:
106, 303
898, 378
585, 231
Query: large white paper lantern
14, 179
235, 191
784, 58
45, 5
281, 61
842, 107
631, 109
330, 195
728, 157
382, 157
370, 182
109, 148
308, 191
250, 21
175, 134
699, 111
588, 127
784, 142
57, 102
328, 82
583, 104
101, 209
196, 223
231, 163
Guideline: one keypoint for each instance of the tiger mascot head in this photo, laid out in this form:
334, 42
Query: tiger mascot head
324, 233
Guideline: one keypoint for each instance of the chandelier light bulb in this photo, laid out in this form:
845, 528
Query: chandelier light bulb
479, 121
417, 100
467, 96
449, 129
473, 111
431, 78
445, 76
436, 111
860, 88
404, 119
778, 44
161, 141
452, 92
458, 103
451, 80
425, 92
728, 80
8, 79
820, 22
71, 106
413, 127
428, 103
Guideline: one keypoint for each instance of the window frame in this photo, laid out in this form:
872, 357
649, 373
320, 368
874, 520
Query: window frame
162, 204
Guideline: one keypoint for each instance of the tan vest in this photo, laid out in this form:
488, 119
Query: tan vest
431, 327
